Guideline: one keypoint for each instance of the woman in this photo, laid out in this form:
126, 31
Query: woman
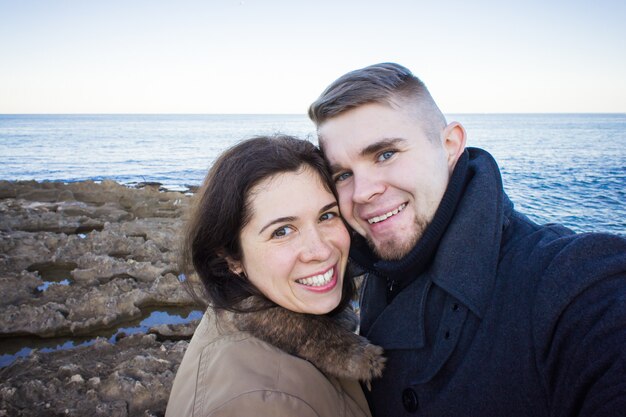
268, 243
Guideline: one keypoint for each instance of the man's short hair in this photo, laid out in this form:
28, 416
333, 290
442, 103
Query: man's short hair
385, 83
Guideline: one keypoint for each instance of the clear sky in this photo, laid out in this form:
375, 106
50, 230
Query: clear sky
275, 56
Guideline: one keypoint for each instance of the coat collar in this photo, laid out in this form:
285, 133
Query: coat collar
465, 264
328, 342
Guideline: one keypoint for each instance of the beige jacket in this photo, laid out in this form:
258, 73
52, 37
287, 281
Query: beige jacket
238, 365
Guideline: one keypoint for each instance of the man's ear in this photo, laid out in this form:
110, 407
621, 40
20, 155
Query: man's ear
454, 138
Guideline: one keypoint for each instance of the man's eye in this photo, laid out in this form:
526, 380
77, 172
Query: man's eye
342, 177
386, 155
282, 232
328, 215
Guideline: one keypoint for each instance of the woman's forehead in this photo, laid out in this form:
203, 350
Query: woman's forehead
290, 191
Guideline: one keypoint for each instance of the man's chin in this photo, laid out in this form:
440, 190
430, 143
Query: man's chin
391, 250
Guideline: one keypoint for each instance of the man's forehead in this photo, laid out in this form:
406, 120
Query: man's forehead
330, 148
336, 134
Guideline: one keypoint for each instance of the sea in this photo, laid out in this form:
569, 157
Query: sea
564, 168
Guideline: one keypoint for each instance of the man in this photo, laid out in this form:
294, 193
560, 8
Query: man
481, 312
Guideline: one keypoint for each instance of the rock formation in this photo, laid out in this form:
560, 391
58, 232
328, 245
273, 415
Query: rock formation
79, 260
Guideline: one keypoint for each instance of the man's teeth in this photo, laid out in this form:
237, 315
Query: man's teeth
318, 280
386, 215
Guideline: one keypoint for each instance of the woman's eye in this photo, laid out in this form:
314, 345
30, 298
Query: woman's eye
386, 155
282, 232
342, 177
329, 215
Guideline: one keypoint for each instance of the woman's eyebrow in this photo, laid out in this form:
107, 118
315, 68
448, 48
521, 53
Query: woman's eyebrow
294, 218
278, 220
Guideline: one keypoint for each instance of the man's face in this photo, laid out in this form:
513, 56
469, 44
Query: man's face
390, 177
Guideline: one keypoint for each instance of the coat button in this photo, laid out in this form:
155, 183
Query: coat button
409, 400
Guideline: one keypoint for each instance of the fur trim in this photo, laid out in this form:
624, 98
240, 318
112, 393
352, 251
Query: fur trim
327, 342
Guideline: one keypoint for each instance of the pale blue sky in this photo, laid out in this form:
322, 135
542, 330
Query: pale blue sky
255, 56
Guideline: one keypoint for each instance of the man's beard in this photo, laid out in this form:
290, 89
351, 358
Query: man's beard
395, 249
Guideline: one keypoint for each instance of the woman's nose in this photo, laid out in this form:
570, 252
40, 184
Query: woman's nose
316, 246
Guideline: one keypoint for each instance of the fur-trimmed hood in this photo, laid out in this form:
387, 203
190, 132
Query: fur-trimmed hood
328, 342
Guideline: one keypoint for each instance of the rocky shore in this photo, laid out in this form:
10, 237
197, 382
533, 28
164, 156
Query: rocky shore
79, 260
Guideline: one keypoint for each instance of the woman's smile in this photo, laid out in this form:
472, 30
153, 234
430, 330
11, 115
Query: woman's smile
320, 282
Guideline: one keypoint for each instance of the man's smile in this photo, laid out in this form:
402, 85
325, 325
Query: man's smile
385, 216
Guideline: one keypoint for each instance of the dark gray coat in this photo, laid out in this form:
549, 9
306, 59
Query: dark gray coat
510, 318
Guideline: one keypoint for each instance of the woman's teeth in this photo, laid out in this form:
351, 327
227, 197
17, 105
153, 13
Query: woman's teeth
386, 215
317, 280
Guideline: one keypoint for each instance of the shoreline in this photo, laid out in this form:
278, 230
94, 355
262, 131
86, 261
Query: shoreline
89, 260
187, 189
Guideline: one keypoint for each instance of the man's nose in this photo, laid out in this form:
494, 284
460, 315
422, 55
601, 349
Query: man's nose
366, 187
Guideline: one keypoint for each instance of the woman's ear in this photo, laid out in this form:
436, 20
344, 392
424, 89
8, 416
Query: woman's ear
236, 267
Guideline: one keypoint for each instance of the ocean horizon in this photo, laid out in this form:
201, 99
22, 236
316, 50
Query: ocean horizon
556, 167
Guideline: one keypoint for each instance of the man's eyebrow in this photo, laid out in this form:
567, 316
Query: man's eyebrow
371, 149
380, 145
334, 168
328, 206
278, 220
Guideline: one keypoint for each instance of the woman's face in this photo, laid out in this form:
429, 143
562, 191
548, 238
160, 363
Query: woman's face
295, 246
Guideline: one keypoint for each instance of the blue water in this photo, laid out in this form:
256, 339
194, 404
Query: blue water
567, 168
23, 348
175, 150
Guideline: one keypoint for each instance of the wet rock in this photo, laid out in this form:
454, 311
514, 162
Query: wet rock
131, 378
13, 294
117, 247
77, 378
47, 320
21, 249
183, 331
80, 259
103, 268
68, 370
